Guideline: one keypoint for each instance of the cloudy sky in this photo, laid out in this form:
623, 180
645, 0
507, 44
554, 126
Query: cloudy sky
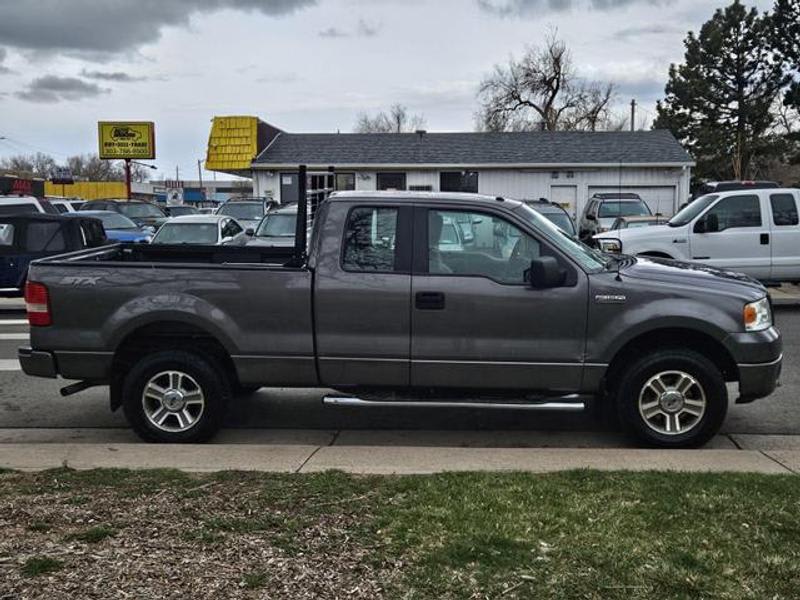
303, 65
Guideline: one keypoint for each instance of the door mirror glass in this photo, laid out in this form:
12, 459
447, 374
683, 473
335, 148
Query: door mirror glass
250, 231
545, 272
591, 217
712, 223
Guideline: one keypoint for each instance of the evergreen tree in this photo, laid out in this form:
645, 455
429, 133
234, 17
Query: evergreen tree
719, 101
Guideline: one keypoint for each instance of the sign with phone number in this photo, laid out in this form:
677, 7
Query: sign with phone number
126, 139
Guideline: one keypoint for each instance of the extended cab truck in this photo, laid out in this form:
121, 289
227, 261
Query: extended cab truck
522, 314
753, 231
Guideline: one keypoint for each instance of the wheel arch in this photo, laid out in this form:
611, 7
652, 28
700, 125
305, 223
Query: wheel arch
165, 334
672, 337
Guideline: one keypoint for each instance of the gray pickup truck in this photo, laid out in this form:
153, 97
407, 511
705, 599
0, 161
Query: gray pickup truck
412, 299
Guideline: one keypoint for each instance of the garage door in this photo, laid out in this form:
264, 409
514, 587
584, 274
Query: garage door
659, 198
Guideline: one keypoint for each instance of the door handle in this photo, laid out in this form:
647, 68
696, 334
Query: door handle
764, 239
429, 300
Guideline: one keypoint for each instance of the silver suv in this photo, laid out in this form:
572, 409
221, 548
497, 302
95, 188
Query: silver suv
603, 209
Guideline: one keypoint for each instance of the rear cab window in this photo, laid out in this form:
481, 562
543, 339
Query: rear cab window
371, 240
784, 209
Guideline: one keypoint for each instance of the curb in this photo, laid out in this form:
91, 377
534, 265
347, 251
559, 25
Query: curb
382, 460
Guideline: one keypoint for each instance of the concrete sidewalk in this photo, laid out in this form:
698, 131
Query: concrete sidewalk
788, 294
302, 458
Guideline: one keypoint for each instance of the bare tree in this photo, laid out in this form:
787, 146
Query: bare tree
29, 165
542, 91
396, 120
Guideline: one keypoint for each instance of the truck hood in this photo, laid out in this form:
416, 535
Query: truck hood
694, 275
640, 233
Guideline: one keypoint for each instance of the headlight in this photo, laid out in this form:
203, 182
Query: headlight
610, 245
757, 315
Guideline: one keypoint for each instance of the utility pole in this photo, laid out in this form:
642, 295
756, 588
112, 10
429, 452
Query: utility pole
128, 178
633, 114
177, 175
200, 177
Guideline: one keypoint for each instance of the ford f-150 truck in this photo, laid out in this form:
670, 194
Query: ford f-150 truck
388, 304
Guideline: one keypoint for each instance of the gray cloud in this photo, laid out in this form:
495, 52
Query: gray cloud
333, 32
363, 29
96, 29
521, 8
117, 76
367, 29
646, 30
50, 89
3, 68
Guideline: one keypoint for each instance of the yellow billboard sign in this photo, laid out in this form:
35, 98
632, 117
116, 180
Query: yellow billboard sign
126, 139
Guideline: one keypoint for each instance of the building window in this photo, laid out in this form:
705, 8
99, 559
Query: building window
570, 174
345, 181
554, 175
458, 181
391, 181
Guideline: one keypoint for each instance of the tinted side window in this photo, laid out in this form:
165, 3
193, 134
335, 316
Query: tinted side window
737, 211
230, 229
784, 209
6, 234
45, 237
370, 240
478, 244
17, 209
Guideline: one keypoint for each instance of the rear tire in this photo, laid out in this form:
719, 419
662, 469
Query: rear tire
672, 398
175, 396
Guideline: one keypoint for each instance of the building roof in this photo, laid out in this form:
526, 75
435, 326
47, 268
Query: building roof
506, 149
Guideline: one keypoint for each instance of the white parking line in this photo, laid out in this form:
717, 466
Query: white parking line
14, 336
13, 321
9, 364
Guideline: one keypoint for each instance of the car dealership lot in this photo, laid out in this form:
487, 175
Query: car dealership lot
31, 410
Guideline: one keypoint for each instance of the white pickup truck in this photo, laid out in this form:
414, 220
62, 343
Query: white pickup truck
756, 232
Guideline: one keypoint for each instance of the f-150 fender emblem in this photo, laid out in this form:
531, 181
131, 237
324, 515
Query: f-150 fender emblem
610, 298
79, 281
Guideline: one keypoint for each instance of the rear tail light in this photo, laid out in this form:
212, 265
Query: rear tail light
37, 303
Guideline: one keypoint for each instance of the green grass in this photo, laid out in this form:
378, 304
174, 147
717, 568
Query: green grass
93, 535
581, 534
41, 565
255, 580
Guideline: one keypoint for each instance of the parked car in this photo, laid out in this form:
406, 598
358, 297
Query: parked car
754, 232
24, 238
214, 230
379, 313
20, 205
602, 209
62, 205
553, 213
180, 211
118, 227
277, 228
634, 222
247, 212
141, 213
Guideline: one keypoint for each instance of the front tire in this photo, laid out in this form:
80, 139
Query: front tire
672, 398
175, 396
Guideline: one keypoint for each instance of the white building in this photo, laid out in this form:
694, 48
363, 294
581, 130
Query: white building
565, 167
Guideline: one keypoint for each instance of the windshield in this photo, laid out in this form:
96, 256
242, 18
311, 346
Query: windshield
115, 221
139, 209
622, 208
187, 233
588, 258
561, 221
691, 210
277, 226
249, 211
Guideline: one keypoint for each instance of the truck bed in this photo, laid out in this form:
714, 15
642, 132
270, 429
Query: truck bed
155, 254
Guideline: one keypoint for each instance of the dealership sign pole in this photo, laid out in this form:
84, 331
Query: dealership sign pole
127, 140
